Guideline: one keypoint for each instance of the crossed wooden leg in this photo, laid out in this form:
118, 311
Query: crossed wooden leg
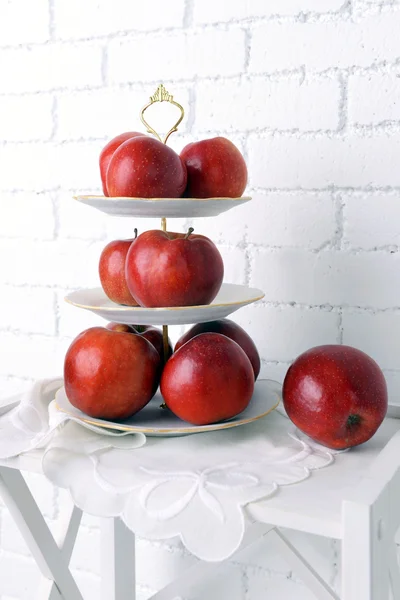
52, 560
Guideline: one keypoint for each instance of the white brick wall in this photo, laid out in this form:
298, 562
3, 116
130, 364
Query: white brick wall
309, 91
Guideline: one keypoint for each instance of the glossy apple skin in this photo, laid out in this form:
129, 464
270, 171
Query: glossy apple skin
208, 380
232, 331
108, 151
152, 334
215, 168
336, 394
143, 167
110, 375
112, 272
165, 269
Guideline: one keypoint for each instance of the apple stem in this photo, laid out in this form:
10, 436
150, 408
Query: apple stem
190, 231
135, 231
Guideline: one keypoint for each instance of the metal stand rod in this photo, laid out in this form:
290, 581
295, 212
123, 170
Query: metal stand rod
165, 327
165, 342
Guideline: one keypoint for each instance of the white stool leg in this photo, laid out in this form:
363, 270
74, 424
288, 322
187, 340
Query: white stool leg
366, 549
66, 542
29, 520
302, 568
117, 561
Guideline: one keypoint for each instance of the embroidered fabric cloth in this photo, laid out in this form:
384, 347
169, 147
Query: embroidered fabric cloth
194, 487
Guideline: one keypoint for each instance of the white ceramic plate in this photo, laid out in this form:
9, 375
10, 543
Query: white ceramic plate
162, 207
154, 421
230, 298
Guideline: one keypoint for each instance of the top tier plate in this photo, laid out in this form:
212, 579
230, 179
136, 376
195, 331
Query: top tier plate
162, 207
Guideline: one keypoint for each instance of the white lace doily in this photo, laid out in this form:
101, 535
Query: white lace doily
194, 487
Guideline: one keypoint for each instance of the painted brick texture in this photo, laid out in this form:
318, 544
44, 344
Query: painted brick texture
308, 90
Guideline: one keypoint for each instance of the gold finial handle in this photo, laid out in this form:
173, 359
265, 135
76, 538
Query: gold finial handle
161, 95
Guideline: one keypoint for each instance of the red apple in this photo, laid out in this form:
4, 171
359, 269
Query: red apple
232, 331
173, 269
215, 168
207, 380
151, 334
108, 151
336, 395
112, 272
109, 374
143, 167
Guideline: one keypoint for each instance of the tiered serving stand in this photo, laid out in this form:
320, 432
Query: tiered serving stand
230, 298
355, 501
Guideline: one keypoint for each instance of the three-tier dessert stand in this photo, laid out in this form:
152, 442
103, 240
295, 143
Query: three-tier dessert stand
230, 298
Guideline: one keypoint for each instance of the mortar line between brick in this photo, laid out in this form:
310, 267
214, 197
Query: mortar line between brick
231, 25
343, 102
52, 26
383, 67
188, 14
192, 108
340, 328
248, 36
54, 118
104, 66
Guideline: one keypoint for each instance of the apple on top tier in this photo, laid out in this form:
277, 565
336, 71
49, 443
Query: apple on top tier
107, 154
138, 166
215, 169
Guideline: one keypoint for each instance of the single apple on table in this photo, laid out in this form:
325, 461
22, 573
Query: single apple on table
143, 167
215, 168
150, 333
209, 379
173, 269
336, 394
110, 374
108, 151
231, 330
112, 272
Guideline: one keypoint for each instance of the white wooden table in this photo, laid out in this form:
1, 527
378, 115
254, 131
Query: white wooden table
356, 500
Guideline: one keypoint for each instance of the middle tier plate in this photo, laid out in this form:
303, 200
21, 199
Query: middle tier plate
230, 298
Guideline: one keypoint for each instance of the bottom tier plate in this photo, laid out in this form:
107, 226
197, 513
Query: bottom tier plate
154, 421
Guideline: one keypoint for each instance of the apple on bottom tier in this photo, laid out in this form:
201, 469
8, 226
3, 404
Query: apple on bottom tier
150, 333
111, 374
336, 394
233, 331
209, 379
